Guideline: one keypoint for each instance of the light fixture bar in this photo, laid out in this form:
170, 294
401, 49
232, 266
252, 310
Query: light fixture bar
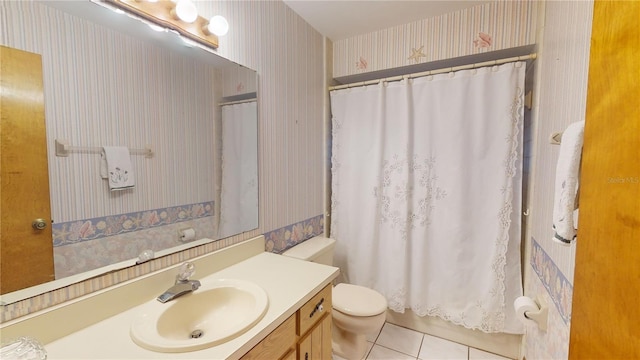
160, 14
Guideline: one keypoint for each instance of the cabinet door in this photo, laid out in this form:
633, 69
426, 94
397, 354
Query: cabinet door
326, 337
304, 347
291, 355
316, 345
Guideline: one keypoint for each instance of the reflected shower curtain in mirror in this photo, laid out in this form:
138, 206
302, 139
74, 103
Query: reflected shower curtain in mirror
426, 193
239, 184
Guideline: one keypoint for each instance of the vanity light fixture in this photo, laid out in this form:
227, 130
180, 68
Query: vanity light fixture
218, 25
179, 16
186, 11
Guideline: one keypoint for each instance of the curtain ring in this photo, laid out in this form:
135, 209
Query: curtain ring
495, 68
518, 64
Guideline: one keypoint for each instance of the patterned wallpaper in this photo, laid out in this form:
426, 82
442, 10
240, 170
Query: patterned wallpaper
120, 86
487, 27
560, 99
553, 343
264, 35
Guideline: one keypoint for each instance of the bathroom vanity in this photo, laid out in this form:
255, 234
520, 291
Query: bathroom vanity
296, 324
304, 335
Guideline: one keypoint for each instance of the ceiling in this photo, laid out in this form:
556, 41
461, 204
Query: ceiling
341, 19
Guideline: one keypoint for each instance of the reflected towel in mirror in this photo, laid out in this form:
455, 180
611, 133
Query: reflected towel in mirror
116, 167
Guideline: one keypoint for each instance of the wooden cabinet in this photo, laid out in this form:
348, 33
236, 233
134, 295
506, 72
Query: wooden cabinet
277, 345
314, 327
316, 344
305, 335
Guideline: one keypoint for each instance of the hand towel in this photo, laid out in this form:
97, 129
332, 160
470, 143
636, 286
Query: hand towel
566, 185
116, 167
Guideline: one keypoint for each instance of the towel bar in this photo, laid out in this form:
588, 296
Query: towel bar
63, 149
555, 138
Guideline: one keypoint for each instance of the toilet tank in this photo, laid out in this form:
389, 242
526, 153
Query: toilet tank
318, 249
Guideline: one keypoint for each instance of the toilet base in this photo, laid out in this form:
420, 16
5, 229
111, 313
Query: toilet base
348, 345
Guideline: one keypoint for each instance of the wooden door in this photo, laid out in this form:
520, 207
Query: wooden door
26, 254
605, 321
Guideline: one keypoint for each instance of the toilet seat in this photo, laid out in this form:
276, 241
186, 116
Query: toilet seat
357, 300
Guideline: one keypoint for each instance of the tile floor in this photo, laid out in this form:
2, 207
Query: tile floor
398, 343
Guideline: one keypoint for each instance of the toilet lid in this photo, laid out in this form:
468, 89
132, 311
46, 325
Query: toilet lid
358, 300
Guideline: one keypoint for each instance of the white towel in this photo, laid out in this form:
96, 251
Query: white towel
567, 178
116, 166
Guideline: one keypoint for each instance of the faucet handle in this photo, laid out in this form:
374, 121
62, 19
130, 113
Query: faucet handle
186, 270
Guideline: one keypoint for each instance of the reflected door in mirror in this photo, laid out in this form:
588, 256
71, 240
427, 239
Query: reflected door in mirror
26, 250
239, 185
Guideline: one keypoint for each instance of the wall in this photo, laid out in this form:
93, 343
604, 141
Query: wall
491, 26
288, 56
560, 99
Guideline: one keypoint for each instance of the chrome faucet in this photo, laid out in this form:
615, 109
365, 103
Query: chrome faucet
182, 285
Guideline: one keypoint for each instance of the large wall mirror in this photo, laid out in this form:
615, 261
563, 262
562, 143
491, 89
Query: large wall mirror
110, 80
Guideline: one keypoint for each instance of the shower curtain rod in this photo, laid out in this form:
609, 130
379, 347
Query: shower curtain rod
238, 102
436, 71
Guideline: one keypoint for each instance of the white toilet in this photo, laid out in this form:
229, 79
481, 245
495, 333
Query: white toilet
357, 310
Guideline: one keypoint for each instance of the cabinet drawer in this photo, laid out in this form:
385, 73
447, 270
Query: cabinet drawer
276, 344
311, 312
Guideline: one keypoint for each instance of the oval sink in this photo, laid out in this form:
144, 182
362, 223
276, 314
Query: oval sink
218, 311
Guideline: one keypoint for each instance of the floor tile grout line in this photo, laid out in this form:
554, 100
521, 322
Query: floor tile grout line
370, 349
394, 350
388, 348
420, 347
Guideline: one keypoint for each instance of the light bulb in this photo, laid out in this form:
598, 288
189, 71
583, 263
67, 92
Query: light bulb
186, 11
218, 25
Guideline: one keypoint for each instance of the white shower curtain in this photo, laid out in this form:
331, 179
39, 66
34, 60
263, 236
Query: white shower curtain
239, 185
426, 193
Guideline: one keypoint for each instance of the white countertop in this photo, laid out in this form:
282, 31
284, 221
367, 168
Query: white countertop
288, 282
